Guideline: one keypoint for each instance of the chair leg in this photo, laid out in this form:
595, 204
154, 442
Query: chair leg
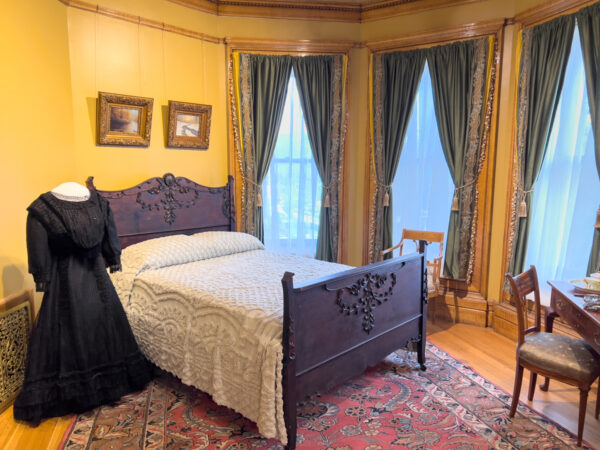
532, 381
583, 395
516, 390
544, 387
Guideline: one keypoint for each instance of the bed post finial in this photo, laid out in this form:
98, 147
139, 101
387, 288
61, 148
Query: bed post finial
169, 179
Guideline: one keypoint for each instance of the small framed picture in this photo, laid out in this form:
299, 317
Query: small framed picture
189, 125
124, 119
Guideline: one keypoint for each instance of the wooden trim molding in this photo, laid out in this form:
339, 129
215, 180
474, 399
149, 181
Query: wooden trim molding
300, 47
143, 21
390, 8
318, 10
436, 37
548, 11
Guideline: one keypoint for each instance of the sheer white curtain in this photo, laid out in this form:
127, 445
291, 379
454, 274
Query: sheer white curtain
423, 188
292, 187
566, 194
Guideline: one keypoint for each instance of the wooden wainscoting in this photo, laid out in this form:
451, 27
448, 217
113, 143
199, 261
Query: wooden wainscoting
460, 307
504, 321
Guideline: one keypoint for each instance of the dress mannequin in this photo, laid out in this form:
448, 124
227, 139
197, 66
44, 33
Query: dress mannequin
82, 352
71, 191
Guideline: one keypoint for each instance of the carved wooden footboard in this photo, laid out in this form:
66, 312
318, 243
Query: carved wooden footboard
336, 327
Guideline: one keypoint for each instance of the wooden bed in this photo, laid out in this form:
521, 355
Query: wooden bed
333, 327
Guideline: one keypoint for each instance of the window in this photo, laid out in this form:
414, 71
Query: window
423, 188
292, 187
565, 196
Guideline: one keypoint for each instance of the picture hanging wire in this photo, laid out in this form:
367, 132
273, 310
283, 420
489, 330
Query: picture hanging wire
164, 50
204, 99
96, 52
139, 55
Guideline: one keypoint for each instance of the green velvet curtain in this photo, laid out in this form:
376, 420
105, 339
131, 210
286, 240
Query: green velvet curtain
458, 77
545, 52
396, 78
588, 22
263, 87
320, 83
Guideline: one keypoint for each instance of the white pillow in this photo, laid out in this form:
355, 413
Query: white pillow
181, 249
159, 252
221, 243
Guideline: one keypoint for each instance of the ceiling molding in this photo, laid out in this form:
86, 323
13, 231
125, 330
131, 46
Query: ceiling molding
548, 11
296, 47
436, 37
115, 14
342, 11
385, 9
299, 47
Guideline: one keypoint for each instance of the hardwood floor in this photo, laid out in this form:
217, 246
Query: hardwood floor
490, 354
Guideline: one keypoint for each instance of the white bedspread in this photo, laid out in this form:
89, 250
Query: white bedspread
217, 325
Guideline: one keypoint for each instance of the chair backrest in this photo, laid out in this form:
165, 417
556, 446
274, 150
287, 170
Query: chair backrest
521, 286
417, 235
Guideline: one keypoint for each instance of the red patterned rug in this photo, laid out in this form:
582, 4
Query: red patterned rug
392, 405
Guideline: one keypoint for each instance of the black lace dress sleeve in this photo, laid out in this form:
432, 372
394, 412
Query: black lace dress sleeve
111, 248
38, 251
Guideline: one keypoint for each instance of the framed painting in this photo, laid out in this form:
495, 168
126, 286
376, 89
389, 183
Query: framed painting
124, 119
189, 125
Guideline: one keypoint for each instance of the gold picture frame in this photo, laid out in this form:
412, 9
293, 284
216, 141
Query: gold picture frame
189, 125
124, 119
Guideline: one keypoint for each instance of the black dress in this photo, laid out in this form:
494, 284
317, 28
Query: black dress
82, 352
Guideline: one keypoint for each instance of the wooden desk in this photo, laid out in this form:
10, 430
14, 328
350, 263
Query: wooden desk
564, 303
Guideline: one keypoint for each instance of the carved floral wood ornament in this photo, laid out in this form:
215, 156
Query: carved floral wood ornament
371, 291
171, 195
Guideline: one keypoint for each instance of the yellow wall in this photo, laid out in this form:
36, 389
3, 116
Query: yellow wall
114, 56
57, 58
36, 122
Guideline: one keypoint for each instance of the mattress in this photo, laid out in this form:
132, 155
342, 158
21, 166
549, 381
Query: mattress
209, 309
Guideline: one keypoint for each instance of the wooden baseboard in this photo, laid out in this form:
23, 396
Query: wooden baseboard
461, 307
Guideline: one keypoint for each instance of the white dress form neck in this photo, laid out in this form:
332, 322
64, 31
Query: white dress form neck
71, 192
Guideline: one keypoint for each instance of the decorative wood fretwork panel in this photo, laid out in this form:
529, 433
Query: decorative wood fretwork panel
15, 326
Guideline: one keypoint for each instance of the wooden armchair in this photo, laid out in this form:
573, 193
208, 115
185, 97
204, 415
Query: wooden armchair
556, 356
434, 267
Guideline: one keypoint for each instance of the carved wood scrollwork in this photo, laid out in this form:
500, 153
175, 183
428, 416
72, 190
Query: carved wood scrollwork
292, 341
371, 291
226, 205
166, 191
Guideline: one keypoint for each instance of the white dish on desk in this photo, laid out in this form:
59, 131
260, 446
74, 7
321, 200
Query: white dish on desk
581, 287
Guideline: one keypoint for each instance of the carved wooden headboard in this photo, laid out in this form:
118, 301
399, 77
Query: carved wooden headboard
169, 205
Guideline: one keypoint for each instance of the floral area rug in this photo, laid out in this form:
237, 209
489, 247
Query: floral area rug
392, 405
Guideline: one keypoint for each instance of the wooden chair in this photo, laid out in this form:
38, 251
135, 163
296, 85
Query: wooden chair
556, 356
434, 267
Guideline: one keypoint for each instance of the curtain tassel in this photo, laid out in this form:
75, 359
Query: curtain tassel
386, 198
523, 208
455, 202
597, 225
258, 199
327, 201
